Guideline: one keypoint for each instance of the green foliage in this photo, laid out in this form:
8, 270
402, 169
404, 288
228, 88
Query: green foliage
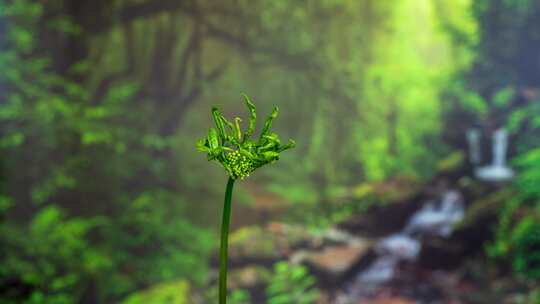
239, 296
502, 97
534, 297
518, 239
529, 177
88, 207
526, 240
238, 154
472, 102
156, 220
53, 255
291, 285
518, 235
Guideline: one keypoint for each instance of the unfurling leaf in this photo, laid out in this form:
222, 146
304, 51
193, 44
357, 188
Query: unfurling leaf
268, 123
219, 124
202, 145
252, 117
289, 145
237, 122
213, 138
270, 155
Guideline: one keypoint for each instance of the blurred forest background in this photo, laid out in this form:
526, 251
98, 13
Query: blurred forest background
104, 198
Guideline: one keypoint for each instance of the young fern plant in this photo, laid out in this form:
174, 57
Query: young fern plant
240, 155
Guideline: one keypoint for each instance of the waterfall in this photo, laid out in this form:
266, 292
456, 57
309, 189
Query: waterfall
497, 171
500, 144
473, 140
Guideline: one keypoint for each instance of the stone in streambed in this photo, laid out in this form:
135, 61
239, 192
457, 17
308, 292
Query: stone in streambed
379, 300
392, 300
334, 261
247, 277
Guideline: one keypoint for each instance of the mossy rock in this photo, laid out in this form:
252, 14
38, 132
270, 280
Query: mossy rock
273, 241
452, 162
485, 207
387, 192
247, 277
176, 292
251, 241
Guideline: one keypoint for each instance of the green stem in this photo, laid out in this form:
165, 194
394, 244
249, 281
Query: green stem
225, 243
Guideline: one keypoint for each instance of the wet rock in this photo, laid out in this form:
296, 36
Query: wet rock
400, 246
382, 220
440, 253
333, 262
337, 259
483, 210
381, 270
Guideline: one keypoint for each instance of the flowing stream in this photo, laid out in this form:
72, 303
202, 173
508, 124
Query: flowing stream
435, 218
